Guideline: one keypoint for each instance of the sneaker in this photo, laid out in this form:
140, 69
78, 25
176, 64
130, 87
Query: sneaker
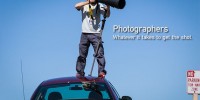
102, 74
80, 75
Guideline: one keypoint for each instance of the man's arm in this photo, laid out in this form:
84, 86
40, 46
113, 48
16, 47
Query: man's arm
78, 6
108, 10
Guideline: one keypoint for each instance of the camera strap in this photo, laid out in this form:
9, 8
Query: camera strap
90, 11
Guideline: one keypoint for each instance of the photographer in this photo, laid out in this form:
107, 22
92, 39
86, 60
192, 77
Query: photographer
91, 11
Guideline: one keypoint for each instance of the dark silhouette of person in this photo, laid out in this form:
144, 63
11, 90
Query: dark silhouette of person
95, 95
55, 96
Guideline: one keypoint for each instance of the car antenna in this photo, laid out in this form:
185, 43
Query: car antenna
22, 78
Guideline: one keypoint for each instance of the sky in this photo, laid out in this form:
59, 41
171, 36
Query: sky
44, 35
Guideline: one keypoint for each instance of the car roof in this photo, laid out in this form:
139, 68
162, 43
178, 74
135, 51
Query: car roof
72, 80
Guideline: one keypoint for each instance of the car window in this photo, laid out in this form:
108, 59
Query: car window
97, 91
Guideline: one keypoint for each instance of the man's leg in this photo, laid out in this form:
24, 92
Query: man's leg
94, 39
83, 52
101, 61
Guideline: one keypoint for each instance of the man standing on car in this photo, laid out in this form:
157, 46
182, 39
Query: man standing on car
91, 11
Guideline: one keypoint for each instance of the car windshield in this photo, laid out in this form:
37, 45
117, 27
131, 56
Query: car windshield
74, 91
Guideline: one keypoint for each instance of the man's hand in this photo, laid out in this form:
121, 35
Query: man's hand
92, 1
108, 10
81, 4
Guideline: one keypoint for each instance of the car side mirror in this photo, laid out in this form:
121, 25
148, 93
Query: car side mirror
126, 98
